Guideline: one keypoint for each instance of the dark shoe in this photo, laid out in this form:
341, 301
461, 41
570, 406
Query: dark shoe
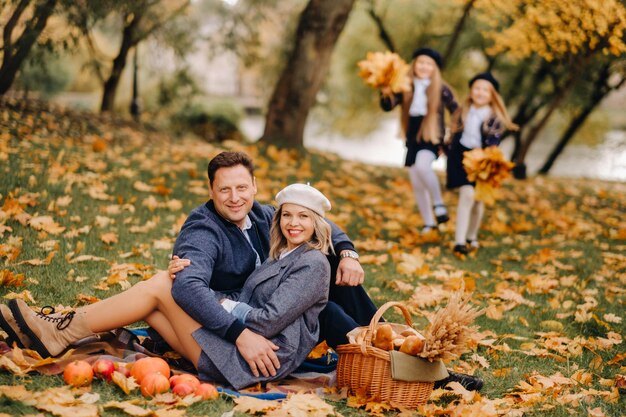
155, 343
10, 327
472, 244
460, 250
469, 382
441, 213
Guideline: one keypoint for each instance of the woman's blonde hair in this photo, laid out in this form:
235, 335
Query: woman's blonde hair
497, 107
321, 239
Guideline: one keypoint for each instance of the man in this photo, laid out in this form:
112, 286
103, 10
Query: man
224, 240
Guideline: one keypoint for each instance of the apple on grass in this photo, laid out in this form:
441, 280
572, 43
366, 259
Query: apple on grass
122, 368
182, 389
103, 368
78, 373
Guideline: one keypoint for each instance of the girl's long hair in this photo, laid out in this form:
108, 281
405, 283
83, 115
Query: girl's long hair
430, 130
497, 108
321, 239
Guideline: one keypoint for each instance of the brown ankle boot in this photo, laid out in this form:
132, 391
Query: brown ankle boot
50, 333
10, 327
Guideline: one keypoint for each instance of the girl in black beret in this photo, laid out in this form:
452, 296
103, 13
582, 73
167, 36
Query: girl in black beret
481, 121
422, 119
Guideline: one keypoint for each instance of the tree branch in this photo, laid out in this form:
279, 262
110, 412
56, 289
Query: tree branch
143, 35
382, 31
8, 28
458, 28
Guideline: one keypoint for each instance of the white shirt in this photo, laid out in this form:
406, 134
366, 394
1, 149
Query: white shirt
419, 105
247, 226
472, 137
283, 254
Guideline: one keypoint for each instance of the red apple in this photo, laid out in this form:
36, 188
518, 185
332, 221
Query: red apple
182, 389
207, 392
78, 374
122, 368
186, 379
103, 368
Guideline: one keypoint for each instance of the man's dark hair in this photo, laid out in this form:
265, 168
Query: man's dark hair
227, 160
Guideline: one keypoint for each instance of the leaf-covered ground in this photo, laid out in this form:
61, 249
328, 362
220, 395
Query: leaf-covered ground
89, 206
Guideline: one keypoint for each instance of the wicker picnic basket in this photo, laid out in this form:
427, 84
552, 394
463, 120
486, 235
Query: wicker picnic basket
363, 366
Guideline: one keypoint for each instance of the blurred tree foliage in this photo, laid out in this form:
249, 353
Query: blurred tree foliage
563, 43
135, 21
44, 72
23, 25
548, 55
551, 56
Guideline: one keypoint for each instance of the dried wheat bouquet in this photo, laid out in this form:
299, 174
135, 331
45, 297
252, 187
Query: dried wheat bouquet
450, 329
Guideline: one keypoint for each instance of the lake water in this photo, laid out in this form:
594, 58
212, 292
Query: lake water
606, 161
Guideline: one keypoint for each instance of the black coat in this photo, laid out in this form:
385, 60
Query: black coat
491, 133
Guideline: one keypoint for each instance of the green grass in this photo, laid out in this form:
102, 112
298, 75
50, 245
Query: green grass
45, 155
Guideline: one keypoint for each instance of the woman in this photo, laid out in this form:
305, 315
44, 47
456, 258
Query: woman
480, 122
423, 123
281, 301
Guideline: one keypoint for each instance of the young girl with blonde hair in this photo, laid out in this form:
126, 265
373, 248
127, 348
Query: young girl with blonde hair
480, 122
422, 108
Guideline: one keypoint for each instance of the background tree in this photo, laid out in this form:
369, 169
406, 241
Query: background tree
319, 27
605, 76
25, 22
459, 27
138, 20
563, 38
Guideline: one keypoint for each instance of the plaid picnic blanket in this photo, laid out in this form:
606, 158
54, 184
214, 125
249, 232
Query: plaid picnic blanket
130, 345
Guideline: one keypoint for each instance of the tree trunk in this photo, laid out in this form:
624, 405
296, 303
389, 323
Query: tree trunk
383, 34
319, 28
600, 90
512, 89
119, 63
534, 131
458, 28
15, 54
573, 127
523, 115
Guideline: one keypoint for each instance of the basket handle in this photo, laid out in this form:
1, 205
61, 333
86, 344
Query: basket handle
370, 332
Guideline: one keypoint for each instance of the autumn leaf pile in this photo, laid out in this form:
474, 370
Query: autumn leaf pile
385, 69
90, 206
450, 329
488, 168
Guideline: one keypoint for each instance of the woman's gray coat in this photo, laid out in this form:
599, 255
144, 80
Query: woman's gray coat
286, 297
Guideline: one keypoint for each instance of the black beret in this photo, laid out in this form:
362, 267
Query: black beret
487, 76
428, 52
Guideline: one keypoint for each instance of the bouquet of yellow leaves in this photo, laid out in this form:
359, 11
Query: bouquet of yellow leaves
488, 168
385, 69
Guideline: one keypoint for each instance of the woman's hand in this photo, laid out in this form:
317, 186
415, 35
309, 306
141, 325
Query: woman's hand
177, 265
386, 91
258, 352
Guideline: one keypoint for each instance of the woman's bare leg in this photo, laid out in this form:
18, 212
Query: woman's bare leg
140, 302
159, 322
